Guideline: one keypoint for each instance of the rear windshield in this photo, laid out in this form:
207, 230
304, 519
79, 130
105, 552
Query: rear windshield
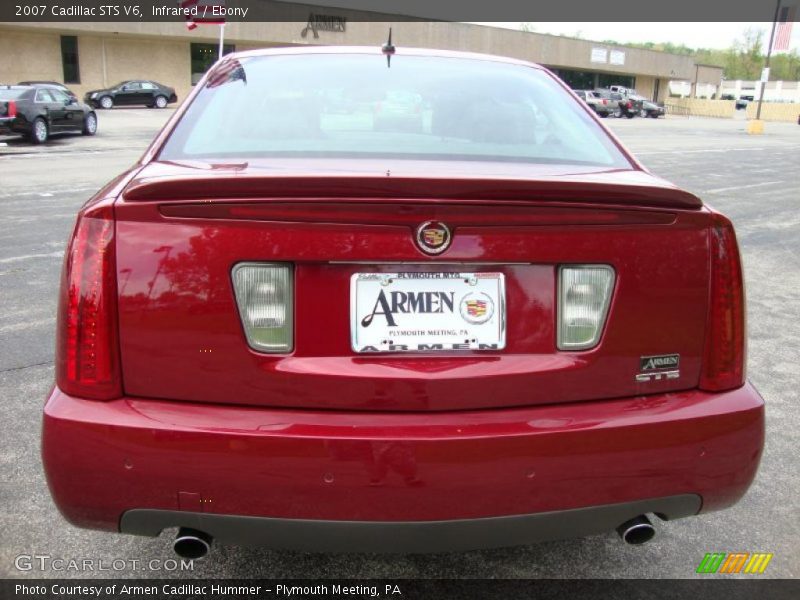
427, 108
12, 94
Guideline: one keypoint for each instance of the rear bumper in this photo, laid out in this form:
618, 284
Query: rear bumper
11, 126
140, 465
311, 535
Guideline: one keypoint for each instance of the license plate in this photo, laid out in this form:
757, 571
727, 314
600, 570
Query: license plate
427, 312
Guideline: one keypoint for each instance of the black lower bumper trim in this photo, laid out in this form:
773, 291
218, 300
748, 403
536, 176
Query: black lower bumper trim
408, 536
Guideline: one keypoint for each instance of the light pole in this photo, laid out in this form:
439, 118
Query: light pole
769, 55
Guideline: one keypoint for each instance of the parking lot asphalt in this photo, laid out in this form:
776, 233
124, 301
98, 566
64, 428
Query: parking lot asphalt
754, 180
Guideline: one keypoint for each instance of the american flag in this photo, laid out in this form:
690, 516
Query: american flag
203, 10
228, 71
784, 32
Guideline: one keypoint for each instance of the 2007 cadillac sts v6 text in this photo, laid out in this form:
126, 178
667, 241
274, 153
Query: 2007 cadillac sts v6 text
481, 324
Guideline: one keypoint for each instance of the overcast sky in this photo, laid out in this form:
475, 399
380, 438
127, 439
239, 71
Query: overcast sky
694, 35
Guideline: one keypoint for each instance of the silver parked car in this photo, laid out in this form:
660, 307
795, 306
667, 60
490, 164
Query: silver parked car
599, 104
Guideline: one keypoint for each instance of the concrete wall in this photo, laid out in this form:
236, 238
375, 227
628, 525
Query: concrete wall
687, 89
30, 55
776, 91
707, 74
789, 113
697, 107
646, 86
165, 61
726, 109
103, 60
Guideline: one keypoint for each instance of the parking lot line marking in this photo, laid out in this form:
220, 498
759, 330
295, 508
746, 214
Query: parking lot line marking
29, 256
742, 187
31, 324
782, 146
42, 154
50, 193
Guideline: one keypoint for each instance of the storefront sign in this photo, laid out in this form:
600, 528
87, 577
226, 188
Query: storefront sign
617, 57
318, 22
599, 55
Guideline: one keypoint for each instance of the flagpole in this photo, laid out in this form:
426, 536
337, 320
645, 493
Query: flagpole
222, 38
769, 54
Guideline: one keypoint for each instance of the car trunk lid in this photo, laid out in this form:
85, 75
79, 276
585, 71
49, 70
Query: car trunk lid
181, 229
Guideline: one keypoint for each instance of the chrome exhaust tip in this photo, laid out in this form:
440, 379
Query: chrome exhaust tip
636, 531
191, 544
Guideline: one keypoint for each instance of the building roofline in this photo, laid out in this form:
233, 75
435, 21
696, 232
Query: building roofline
587, 40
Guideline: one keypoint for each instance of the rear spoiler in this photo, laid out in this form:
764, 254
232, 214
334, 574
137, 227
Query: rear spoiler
231, 186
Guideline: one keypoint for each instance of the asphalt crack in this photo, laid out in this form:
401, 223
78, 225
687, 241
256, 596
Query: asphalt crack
47, 362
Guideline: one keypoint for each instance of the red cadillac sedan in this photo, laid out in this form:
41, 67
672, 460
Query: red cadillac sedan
481, 323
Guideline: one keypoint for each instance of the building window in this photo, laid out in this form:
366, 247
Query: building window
69, 58
577, 80
205, 55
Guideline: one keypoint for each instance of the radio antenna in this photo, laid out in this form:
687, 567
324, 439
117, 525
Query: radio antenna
388, 50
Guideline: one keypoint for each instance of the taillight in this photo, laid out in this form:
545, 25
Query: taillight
724, 356
87, 350
11, 109
629, 105
264, 293
605, 102
584, 294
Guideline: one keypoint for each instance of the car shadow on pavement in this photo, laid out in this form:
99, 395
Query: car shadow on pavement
16, 143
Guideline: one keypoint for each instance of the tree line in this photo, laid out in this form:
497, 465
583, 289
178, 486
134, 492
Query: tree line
743, 60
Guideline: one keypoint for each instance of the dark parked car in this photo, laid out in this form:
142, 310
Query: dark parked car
130, 93
651, 109
42, 110
312, 332
54, 84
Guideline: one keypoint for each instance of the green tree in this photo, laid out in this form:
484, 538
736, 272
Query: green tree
785, 67
745, 59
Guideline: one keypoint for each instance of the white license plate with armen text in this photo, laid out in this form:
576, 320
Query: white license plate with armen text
427, 312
